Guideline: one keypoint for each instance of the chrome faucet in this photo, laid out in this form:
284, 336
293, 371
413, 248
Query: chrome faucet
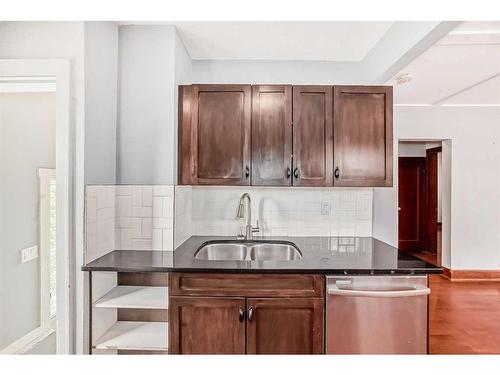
249, 229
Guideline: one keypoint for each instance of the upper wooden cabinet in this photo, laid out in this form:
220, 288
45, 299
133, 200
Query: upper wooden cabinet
312, 136
362, 135
214, 136
272, 135
282, 135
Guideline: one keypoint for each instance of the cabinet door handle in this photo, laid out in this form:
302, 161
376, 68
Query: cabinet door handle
288, 172
250, 314
247, 171
241, 313
337, 172
296, 173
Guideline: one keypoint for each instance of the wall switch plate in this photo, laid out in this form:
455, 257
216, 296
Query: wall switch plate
29, 253
325, 208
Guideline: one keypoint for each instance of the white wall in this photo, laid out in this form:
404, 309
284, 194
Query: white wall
152, 63
101, 82
411, 149
291, 72
27, 142
183, 76
472, 154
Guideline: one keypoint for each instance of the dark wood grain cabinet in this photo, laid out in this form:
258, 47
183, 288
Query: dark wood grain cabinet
272, 135
285, 326
312, 136
362, 136
214, 135
282, 135
201, 325
241, 313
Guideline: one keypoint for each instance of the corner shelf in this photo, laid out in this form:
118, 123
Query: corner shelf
124, 335
135, 297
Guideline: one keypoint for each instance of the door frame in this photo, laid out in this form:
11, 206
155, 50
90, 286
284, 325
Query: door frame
428, 203
57, 70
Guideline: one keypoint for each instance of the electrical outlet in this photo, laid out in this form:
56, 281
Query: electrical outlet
29, 253
325, 208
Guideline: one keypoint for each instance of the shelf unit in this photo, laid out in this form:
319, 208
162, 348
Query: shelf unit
130, 313
147, 336
135, 297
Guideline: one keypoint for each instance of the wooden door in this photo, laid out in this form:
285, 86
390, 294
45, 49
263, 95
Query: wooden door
215, 143
312, 136
205, 325
431, 208
271, 135
411, 209
285, 326
362, 135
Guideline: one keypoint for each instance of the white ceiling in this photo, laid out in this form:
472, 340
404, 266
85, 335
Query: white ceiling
463, 68
320, 41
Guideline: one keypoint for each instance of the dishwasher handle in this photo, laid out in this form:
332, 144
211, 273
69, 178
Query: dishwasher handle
418, 290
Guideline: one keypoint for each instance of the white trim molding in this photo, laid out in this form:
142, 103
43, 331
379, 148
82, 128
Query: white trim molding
58, 69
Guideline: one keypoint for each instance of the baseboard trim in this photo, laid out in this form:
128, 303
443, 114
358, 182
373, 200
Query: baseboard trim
471, 275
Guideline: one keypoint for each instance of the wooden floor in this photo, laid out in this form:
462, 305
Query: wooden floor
464, 316
428, 257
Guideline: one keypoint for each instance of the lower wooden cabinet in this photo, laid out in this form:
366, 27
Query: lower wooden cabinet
281, 314
285, 326
204, 325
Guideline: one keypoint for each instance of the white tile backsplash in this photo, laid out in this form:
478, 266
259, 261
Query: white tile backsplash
283, 211
183, 214
140, 208
147, 196
141, 217
100, 221
121, 218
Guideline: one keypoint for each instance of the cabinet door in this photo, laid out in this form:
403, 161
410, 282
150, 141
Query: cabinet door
205, 325
271, 135
220, 134
284, 326
362, 135
312, 136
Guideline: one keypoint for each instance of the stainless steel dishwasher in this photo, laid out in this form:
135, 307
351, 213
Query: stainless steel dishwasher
377, 315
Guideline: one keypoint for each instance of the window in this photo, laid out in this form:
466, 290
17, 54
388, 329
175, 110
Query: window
47, 247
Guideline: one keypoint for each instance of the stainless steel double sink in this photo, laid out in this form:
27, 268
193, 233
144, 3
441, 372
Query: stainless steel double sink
248, 251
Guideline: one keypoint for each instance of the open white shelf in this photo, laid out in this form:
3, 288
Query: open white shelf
135, 297
135, 336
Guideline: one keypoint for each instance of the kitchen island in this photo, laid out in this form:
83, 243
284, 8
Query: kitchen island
245, 304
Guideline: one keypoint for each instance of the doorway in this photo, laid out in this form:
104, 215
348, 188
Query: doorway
35, 199
419, 197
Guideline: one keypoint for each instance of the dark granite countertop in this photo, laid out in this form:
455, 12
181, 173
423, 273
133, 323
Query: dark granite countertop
326, 255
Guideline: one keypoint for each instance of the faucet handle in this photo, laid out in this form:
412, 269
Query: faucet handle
256, 229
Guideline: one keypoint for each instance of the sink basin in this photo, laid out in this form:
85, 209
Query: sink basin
274, 252
260, 251
222, 251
